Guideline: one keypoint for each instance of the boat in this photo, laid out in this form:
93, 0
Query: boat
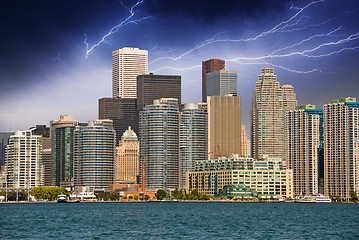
322, 199
305, 200
61, 198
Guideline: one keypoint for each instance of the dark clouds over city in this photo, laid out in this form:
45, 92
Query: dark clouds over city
45, 69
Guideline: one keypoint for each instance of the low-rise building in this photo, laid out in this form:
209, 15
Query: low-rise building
267, 176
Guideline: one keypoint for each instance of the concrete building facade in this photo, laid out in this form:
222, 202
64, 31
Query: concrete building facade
341, 147
94, 155
244, 142
304, 148
24, 161
270, 103
127, 164
193, 138
159, 144
127, 64
267, 176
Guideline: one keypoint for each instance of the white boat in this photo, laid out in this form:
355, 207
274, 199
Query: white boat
322, 199
61, 198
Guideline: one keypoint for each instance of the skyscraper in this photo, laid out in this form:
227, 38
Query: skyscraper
305, 145
122, 111
44, 132
244, 142
270, 103
127, 158
23, 160
151, 87
341, 147
224, 126
4, 140
159, 144
94, 155
127, 64
222, 82
208, 66
62, 131
193, 138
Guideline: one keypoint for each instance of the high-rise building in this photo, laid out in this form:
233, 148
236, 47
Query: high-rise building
127, 64
341, 147
4, 140
62, 131
305, 148
94, 155
224, 126
122, 111
159, 144
44, 132
221, 83
23, 161
151, 87
208, 66
244, 142
270, 103
47, 163
127, 158
193, 138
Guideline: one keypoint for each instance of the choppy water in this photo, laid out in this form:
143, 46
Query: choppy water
179, 221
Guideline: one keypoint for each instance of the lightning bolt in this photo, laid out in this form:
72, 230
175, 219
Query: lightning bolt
282, 25
117, 27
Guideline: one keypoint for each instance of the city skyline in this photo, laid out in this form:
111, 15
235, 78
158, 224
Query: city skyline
47, 69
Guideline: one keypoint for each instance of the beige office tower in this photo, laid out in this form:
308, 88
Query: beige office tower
224, 126
303, 126
127, 64
341, 148
127, 162
270, 103
244, 143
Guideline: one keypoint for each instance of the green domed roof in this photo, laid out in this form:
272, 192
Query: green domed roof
129, 133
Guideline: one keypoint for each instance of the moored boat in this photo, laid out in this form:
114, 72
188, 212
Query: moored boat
322, 199
61, 198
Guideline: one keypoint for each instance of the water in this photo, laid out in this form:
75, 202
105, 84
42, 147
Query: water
179, 221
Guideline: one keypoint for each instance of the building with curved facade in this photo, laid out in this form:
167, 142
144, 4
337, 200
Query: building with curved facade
159, 144
94, 155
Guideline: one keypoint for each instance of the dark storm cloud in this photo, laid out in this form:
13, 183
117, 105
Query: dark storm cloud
40, 35
210, 11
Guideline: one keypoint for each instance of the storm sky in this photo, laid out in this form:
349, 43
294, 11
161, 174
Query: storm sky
55, 56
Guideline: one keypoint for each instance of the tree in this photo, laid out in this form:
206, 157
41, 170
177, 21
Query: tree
161, 194
124, 197
337, 198
353, 196
136, 197
130, 197
177, 194
195, 194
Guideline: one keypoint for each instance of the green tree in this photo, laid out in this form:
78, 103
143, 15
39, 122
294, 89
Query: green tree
353, 196
195, 194
136, 197
161, 194
177, 194
130, 197
124, 197
337, 198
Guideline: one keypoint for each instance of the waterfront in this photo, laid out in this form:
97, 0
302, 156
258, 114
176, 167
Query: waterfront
179, 221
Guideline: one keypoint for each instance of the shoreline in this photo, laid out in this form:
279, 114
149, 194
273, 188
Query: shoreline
169, 201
